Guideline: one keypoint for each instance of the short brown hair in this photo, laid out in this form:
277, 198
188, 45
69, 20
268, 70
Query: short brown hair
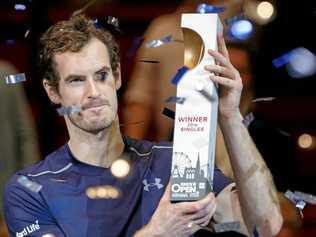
71, 35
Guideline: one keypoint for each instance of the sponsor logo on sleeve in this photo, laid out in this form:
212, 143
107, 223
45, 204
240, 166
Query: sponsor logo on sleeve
28, 229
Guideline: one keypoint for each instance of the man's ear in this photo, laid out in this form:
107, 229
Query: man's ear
51, 92
117, 77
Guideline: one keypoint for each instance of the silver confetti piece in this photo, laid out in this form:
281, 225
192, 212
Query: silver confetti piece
174, 99
248, 119
228, 226
309, 198
201, 88
27, 33
263, 99
300, 199
159, 42
300, 205
113, 21
62, 111
291, 196
15, 78
30, 185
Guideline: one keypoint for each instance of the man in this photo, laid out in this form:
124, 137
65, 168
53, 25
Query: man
80, 67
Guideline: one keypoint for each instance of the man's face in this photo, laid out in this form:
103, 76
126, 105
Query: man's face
87, 80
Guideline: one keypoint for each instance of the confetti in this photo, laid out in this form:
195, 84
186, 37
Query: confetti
239, 27
147, 61
228, 226
113, 21
200, 88
302, 63
81, 10
27, 33
174, 99
132, 123
169, 113
306, 197
284, 133
282, 60
291, 196
108, 23
300, 199
263, 99
159, 42
31, 185
205, 8
15, 78
248, 119
19, 7
300, 205
181, 71
62, 111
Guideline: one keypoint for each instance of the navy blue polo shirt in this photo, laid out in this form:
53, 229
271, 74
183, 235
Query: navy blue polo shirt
54, 200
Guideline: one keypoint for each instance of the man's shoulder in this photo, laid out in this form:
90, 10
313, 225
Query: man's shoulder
52, 164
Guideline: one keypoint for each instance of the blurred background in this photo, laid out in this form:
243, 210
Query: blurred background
280, 36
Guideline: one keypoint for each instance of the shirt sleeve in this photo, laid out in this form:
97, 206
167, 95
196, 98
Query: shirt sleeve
220, 181
27, 214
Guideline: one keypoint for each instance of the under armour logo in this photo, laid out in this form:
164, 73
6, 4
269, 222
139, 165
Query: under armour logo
157, 183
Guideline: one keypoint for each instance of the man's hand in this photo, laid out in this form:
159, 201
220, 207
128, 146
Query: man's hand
179, 219
228, 78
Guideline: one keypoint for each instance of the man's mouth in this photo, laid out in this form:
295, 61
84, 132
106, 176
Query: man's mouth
95, 105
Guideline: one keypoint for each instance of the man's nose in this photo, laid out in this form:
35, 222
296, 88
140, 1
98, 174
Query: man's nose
92, 90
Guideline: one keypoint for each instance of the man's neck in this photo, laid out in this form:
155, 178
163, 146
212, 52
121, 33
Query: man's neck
99, 149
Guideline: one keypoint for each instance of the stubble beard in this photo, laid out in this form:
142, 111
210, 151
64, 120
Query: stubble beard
92, 126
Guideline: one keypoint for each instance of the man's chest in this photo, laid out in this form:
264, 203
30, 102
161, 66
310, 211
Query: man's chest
95, 205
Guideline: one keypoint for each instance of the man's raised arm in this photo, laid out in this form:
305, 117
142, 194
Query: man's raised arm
256, 190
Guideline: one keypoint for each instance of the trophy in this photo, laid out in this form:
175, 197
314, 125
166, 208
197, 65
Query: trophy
195, 119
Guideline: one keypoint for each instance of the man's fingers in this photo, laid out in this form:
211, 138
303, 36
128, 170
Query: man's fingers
219, 70
229, 83
222, 46
204, 220
207, 211
219, 58
194, 207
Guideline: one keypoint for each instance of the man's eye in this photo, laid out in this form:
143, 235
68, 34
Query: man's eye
102, 76
76, 80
